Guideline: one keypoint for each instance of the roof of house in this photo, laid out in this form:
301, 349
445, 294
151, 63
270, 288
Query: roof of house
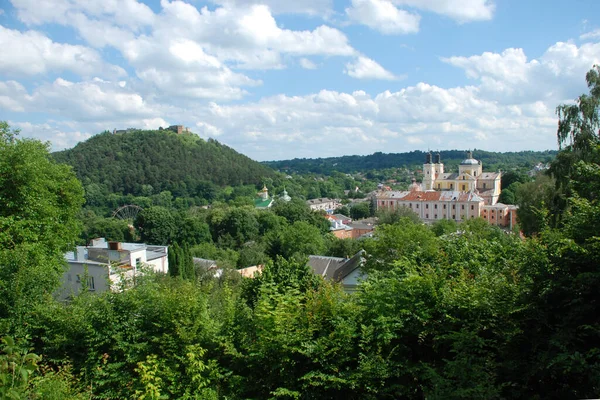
490, 175
321, 200
432, 195
325, 266
349, 266
335, 268
341, 216
260, 203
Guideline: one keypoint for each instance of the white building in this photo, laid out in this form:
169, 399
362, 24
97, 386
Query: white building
325, 204
105, 264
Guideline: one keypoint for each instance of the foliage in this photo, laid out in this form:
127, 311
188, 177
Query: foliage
39, 200
157, 225
379, 161
184, 165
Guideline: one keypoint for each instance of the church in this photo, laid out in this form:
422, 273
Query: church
470, 193
470, 178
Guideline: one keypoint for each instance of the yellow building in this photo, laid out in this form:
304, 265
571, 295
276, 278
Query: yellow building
470, 178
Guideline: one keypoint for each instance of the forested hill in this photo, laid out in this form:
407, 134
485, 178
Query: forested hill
491, 160
164, 160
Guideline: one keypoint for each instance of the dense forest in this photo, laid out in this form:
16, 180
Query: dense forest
446, 311
377, 161
139, 162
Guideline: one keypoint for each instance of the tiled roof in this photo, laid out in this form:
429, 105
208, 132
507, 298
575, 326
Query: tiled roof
431, 195
325, 266
334, 267
490, 175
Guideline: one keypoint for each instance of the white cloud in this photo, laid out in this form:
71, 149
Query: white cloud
127, 13
331, 123
32, 53
310, 7
13, 96
509, 77
61, 139
307, 64
383, 16
459, 10
595, 34
365, 68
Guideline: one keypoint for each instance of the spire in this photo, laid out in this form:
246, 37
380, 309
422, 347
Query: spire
428, 158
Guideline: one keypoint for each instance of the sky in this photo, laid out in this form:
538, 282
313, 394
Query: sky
281, 79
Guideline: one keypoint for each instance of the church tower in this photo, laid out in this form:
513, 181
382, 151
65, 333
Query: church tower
429, 174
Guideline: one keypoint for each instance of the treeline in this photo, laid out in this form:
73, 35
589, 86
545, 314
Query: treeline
143, 163
377, 161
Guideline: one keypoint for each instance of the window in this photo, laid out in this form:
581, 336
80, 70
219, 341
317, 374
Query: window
426, 215
453, 216
462, 207
454, 206
435, 206
464, 188
427, 206
484, 185
439, 186
451, 186
138, 262
410, 205
435, 216
472, 207
90, 283
417, 206
444, 206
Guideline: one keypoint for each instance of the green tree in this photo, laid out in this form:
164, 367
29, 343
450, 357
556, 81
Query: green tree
39, 201
157, 225
301, 239
360, 210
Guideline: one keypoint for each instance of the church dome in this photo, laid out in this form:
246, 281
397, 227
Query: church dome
470, 160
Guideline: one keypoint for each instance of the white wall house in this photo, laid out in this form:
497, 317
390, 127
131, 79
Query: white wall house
103, 264
325, 204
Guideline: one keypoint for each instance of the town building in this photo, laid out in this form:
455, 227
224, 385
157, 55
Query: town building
343, 227
470, 193
103, 265
324, 204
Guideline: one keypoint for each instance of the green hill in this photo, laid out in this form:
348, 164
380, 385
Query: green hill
162, 159
350, 164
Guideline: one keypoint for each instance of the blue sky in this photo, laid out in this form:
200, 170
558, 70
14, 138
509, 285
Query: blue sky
277, 79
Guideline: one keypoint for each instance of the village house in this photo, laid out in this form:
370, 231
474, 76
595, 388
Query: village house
102, 265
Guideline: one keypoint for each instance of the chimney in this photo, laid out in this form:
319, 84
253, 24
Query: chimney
114, 245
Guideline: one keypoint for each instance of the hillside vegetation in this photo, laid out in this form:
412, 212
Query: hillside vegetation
377, 161
164, 160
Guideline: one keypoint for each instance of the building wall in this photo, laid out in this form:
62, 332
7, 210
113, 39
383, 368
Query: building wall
437, 210
350, 282
71, 281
